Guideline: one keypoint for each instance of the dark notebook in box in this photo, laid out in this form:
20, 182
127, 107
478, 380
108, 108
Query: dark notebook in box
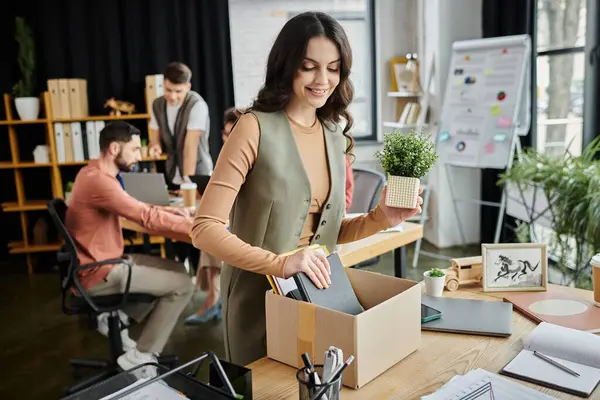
338, 296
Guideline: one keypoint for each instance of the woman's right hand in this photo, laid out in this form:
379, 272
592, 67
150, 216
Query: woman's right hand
312, 263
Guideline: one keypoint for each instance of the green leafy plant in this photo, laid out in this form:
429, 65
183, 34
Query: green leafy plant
572, 187
436, 273
408, 155
144, 142
25, 58
69, 187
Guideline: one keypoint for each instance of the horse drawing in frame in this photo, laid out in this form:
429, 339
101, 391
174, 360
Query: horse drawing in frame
517, 269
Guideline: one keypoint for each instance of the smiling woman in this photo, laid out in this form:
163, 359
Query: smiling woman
280, 180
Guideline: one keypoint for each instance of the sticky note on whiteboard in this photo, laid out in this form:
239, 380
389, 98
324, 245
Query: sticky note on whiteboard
495, 109
489, 148
503, 122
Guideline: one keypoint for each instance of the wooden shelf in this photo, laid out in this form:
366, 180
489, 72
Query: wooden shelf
31, 205
23, 164
19, 248
102, 118
22, 122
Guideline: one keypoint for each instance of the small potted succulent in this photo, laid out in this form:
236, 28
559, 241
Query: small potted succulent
406, 157
144, 148
68, 191
435, 279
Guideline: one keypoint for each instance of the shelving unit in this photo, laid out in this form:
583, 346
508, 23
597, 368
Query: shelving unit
22, 205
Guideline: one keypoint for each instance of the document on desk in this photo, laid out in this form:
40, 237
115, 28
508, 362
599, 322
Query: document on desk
155, 391
479, 384
576, 350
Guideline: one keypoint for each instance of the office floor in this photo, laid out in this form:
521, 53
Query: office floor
37, 339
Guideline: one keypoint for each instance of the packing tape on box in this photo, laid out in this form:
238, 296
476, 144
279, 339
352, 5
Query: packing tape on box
307, 327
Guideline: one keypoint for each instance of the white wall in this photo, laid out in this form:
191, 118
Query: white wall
445, 22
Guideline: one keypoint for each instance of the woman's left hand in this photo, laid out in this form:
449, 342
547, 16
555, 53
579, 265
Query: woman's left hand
397, 215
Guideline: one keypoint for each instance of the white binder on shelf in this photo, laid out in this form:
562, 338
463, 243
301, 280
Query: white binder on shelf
91, 139
77, 136
59, 142
99, 126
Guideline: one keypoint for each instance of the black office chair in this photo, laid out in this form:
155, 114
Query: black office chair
76, 301
368, 185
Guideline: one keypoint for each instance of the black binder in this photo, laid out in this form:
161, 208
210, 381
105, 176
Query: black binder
338, 296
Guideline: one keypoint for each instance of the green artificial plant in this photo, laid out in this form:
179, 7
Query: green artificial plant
25, 58
572, 187
436, 273
409, 155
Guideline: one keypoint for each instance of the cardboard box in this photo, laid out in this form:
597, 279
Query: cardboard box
385, 333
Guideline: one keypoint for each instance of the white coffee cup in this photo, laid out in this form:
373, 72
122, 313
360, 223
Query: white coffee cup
188, 190
596, 278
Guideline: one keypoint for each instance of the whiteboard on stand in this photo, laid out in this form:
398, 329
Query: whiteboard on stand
486, 101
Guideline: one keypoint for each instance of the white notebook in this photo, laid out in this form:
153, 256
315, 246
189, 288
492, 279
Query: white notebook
575, 349
479, 384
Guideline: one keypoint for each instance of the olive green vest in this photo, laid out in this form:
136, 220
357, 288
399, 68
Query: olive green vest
269, 212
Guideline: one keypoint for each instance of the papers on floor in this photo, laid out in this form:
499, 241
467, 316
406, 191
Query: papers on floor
158, 390
481, 384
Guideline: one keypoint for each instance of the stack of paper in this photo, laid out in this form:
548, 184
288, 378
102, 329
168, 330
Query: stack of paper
479, 384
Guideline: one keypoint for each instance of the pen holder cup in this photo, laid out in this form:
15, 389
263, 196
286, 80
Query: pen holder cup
307, 390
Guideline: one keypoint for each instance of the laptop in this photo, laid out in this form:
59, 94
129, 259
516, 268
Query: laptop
474, 317
150, 188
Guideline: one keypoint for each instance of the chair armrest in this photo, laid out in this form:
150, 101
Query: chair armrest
85, 295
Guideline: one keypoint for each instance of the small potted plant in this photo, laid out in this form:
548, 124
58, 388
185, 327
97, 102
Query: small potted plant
27, 105
406, 157
144, 149
435, 279
68, 191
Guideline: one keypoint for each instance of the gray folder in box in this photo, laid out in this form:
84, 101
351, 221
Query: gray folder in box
475, 317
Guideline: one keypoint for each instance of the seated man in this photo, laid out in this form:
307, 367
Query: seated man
97, 202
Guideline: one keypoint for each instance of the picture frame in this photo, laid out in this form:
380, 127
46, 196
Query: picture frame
514, 267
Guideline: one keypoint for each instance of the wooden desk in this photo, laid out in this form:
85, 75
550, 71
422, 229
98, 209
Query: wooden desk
440, 357
350, 253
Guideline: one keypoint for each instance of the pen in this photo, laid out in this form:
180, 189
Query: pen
333, 377
551, 361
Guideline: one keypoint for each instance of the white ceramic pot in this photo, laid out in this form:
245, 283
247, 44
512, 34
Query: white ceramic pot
67, 198
434, 286
28, 108
402, 192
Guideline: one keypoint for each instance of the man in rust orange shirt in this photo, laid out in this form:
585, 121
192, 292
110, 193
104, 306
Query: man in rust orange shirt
93, 220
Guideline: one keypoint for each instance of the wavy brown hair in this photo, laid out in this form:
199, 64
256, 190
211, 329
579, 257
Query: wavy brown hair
286, 57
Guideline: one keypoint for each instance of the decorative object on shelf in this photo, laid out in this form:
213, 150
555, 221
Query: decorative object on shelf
406, 157
27, 105
464, 271
434, 282
119, 106
41, 154
405, 74
514, 267
144, 149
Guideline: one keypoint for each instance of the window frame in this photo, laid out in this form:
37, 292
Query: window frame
591, 86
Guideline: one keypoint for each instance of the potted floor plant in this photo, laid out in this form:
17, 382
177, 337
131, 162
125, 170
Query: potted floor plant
406, 157
435, 279
571, 185
27, 105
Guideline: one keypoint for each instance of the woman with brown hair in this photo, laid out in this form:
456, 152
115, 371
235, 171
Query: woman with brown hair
280, 180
